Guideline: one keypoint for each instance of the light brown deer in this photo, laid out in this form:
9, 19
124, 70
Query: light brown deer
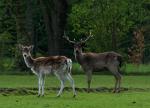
91, 62
59, 65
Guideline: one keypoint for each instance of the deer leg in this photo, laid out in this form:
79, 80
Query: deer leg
62, 81
117, 75
116, 83
39, 85
61, 88
89, 78
119, 82
43, 83
69, 77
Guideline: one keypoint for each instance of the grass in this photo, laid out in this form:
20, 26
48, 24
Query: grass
141, 69
16, 81
128, 69
84, 100
127, 99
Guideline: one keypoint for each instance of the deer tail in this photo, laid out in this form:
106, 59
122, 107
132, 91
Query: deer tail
120, 59
69, 65
122, 64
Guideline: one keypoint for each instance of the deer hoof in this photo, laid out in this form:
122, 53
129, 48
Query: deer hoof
58, 96
117, 91
88, 90
42, 95
74, 95
38, 95
114, 91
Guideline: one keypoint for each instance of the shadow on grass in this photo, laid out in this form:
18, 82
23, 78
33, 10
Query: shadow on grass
33, 91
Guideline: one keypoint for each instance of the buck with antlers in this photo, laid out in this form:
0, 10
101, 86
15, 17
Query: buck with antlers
59, 65
91, 62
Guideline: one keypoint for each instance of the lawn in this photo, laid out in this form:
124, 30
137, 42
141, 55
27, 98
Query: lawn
84, 100
18, 81
138, 95
127, 69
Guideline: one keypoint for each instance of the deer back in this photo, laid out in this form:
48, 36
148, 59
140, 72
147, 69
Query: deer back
98, 61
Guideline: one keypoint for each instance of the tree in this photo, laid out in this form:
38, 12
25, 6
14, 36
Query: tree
54, 14
111, 23
19, 7
137, 49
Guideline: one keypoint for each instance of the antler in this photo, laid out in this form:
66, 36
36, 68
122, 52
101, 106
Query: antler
83, 41
67, 38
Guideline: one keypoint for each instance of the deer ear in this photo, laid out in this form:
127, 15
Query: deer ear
20, 46
31, 47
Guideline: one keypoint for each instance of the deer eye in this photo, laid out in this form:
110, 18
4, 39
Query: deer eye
75, 46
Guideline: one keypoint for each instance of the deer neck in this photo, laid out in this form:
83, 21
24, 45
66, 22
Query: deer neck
79, 57
29, 61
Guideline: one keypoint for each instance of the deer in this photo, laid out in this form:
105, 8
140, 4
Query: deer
91, 62
59, 65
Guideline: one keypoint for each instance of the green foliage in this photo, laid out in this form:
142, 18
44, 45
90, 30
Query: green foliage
6, 51
127, 69
137, 69
7, 22
7, 66
102, 17
105, 17
77, 69
6, 41
7, 34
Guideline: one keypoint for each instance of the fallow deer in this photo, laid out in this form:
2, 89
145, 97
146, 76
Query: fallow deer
59, 65
91, 62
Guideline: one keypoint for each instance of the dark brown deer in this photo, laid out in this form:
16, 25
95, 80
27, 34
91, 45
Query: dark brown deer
91, 62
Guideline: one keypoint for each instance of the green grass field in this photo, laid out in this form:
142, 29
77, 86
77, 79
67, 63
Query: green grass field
137, 95
132, 69
127, 69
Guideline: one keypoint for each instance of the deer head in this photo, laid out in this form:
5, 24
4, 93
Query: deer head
26, 50
78, 45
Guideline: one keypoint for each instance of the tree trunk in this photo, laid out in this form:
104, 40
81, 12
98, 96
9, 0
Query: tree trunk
114, 41
22, 35
30, 27
59, 16
137, 49
47, 22
54, 12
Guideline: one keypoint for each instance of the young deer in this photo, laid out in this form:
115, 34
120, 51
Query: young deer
97, 61
59, 65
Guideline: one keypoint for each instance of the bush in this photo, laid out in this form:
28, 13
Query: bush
127, 69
